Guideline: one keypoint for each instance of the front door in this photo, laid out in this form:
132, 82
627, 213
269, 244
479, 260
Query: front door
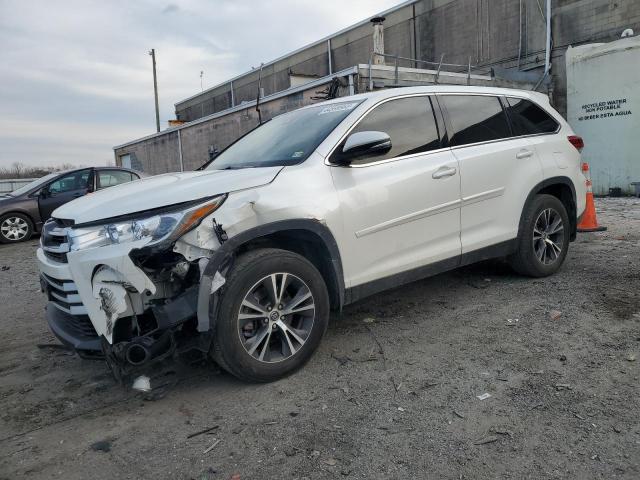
62, 190
401, 210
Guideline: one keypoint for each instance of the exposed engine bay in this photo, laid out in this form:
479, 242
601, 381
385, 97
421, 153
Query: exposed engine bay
151, 327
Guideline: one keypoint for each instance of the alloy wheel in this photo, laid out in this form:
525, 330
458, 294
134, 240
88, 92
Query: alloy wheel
14, 228
548, 236
276, 317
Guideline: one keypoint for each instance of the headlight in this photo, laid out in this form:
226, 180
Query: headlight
156, 227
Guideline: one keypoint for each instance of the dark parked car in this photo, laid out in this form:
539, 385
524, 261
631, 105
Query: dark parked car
24, 211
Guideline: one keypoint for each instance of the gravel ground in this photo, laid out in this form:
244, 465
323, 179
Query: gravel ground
393, 391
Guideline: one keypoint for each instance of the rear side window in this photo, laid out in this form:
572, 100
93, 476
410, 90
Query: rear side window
409, 122
110, 178
476, 119
528, 118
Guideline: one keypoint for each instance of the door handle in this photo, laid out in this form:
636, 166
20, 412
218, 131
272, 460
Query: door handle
524, 154
444, 172
77, 195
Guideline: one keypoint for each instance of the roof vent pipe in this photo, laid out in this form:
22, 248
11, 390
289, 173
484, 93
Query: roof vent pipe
378, 40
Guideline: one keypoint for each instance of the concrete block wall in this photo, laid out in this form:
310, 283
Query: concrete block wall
160, 153
155, 155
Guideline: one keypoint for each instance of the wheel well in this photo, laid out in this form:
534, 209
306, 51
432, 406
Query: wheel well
310, 246
563, 192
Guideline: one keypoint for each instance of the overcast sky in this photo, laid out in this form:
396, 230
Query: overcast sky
75, 76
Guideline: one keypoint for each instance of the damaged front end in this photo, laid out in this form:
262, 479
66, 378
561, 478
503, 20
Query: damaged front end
143, 328
137, 279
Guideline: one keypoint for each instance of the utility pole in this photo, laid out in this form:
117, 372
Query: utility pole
155, 87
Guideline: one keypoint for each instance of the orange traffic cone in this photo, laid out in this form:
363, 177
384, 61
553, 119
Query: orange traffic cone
589, 222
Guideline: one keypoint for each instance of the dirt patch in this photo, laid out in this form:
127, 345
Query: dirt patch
393, 392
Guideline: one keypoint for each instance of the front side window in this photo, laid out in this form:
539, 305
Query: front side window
74, 181
528, 118
409, 122
476, 119
288, 139
110, 178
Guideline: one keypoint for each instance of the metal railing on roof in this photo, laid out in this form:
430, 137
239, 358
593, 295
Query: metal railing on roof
469, 69
323, 40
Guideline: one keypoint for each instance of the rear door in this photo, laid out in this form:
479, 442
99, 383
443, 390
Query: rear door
64, 189
497, 170
400, 210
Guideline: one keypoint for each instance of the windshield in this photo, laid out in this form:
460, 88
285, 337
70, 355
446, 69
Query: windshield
33, 185
288, 139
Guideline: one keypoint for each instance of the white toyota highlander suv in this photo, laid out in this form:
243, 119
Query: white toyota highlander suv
313, 210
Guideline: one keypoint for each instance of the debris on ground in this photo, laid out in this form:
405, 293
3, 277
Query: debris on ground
555, 314
142, 384
213, 445
342, 359
631, 357
485, 440
484, 396
202, 432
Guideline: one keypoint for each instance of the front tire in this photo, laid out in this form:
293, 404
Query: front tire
272, 316
543, 242
15, 227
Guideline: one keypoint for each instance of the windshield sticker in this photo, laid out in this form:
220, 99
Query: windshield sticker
297, 155
338, 107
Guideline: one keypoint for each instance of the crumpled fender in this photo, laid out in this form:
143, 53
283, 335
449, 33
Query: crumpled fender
212, 279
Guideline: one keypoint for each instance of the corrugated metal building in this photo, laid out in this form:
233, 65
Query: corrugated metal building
507, 37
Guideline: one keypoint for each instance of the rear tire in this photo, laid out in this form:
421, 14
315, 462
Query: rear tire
272, 316
543, 242
15, 227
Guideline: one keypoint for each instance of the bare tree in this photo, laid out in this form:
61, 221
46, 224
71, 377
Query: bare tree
17, 169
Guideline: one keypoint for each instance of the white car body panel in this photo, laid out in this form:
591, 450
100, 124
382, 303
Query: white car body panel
162, 190
495, 186
396, 216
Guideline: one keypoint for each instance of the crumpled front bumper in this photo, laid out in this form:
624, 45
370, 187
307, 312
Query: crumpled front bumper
70, 290
74, 331
65, 313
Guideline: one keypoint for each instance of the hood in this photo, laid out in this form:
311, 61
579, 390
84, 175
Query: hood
162, 191
6, 199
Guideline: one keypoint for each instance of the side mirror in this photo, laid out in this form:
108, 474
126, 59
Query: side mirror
364, 143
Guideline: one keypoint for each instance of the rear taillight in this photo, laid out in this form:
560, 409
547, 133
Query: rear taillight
577, 142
